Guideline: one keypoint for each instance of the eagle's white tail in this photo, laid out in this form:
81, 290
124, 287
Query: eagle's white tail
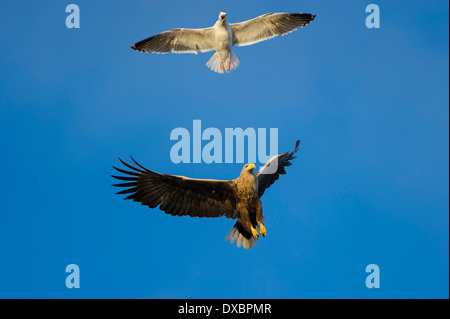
235, 235
227, 66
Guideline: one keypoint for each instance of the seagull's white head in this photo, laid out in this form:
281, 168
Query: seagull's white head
222, 16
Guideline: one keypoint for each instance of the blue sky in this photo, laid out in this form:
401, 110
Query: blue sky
370, 184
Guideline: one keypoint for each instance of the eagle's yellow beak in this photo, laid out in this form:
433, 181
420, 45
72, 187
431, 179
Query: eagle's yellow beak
251, 166
222, 18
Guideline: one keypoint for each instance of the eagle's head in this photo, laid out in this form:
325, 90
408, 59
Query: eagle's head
248, 168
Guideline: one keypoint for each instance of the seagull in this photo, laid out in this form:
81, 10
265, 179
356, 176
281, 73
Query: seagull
223, 36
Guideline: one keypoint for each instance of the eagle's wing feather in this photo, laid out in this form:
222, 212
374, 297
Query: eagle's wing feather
178, 41
268, 26
271, 171
178, 195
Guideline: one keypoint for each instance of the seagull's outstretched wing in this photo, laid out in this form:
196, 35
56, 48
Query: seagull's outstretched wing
268, 26
271, 171
178, 41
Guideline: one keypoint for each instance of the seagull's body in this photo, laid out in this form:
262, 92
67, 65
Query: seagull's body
223, 36
223, 39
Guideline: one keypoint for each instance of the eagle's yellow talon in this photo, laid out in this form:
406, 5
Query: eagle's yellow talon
255, 233
263, 229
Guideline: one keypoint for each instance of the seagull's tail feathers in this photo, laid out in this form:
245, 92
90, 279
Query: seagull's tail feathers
229, 65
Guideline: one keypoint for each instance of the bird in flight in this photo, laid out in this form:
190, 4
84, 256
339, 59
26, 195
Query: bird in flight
236, 199
223, 36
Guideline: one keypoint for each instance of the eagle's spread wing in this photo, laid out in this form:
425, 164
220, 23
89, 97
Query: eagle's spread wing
178, 195
268, 26
178, 41
271, 171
